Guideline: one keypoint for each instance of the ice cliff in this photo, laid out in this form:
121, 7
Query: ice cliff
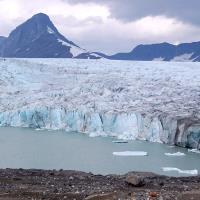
153, 101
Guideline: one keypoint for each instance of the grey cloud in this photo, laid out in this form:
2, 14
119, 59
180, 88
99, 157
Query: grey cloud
111, 35
129, 10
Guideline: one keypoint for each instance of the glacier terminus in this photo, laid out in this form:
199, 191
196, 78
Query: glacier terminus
153, 101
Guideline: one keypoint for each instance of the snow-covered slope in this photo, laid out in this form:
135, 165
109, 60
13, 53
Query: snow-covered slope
154, 101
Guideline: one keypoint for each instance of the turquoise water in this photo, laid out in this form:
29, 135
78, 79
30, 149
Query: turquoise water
28, 148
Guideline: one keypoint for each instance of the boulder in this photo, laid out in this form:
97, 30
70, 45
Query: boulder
135, 180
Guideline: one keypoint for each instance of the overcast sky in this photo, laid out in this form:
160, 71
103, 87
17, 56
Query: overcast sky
110, 26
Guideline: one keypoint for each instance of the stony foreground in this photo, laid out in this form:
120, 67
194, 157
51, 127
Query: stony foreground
40, 184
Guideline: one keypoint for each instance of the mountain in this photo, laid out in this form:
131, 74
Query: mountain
2, 40
162, 52
39, 38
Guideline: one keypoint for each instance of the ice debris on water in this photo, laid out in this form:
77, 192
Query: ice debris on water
194, 150
191, 172
120, 141
130, 153
175, 154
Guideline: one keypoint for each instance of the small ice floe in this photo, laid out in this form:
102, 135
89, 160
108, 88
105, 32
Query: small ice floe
191, 172
97, 134
38, 129
175, 154
194, 150
120, 141
170, 146
130, 153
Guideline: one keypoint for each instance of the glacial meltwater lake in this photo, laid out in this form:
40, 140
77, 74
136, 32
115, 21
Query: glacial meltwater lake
28, 148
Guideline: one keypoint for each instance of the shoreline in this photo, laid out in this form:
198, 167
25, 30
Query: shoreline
194, 147
19, 184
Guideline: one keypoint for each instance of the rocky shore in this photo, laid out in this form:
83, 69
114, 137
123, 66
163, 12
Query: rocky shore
20, 184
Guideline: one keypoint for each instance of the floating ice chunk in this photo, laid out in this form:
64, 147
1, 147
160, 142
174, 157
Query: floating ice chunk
170, 146
97, 134
39, 129
120, 141
130, 153
194, 150
192, 172
175, 154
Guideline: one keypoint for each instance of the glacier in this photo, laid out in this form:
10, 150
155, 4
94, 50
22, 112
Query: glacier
152, 101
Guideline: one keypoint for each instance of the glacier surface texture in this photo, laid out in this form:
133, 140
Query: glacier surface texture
153, 101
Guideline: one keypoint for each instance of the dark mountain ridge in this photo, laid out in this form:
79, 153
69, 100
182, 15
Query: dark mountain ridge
39, 38
163, 51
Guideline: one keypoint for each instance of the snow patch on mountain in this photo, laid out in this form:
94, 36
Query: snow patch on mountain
158, 59
49, 30
95, 54
73, 49
183, 58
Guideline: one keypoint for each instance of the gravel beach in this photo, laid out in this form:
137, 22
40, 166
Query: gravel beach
19, 184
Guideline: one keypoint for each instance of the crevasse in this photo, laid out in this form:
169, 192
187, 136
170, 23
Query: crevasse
163, 129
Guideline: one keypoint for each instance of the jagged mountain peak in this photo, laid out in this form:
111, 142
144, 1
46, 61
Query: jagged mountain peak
34, 27
38, 37
41, 16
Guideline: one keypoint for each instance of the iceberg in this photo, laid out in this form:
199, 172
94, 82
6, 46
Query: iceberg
194, 150
175, 154
120, 141
191, 172
130, 153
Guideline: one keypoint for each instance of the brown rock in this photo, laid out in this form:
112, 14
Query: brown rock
193, 195
153, 194
108, 196
135, 180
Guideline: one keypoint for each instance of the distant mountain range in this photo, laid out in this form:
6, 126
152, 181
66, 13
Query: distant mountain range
39, 38
162, 52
